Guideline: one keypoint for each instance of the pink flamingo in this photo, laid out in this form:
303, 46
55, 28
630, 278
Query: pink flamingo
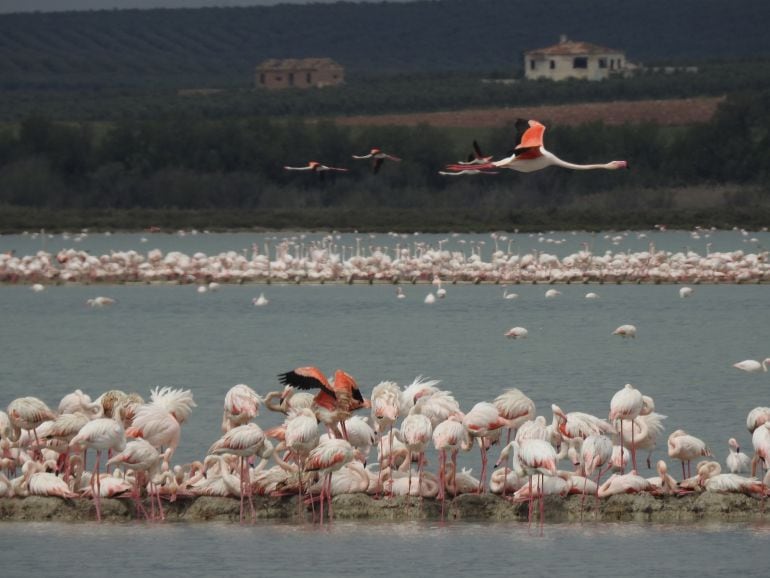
627, 404
141, 457
415, 433
685, 448
450, 435
244, 441
328, 457
99, 434
530, 154
484, 423
241, 406
317, 168
378, 157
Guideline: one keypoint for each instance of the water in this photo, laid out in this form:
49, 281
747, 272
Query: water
52, 343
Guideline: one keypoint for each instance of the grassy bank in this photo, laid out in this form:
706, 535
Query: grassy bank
591, 217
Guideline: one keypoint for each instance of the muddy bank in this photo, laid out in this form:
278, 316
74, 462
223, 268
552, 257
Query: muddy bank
641, 508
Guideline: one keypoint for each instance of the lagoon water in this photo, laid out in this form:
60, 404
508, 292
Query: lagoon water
158, 335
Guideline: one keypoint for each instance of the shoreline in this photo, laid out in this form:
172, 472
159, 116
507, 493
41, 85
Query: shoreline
643, 507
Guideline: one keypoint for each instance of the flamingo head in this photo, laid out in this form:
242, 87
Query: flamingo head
614, 165
733, 443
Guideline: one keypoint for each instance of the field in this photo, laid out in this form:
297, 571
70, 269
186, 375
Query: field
663, 112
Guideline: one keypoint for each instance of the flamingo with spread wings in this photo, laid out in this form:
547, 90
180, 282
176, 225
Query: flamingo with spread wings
378, 157
318, 168
530, 155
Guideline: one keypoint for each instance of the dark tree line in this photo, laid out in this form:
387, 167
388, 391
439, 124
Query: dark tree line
187, 162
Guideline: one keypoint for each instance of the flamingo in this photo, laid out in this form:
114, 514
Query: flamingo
530, 155
627, 404
507, 295
100, 434
450, 435
160, 421
244, 441
630, 483
290, 399
663, 483
141, 457
552, 293
517, 333
415, 433
737, 462
595, 452
752, 365
711, 478
685, 292
333, 404
685, 448
385, 411
378, 157
532, 457
241, 406
260, 301
301, 438
37, 482
626, 330
99, 302
326, 458
477, 157
27, 413
318, 168
483, 422
462, 172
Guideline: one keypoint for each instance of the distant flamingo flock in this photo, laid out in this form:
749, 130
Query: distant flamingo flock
324, 449
292, 260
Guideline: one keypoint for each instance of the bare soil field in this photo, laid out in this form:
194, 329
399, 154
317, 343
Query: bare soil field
664, 112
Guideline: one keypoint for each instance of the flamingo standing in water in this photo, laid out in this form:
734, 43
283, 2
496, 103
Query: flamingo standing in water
328, 457
244, 441
378, 157
627, 404
100, 434
530, 154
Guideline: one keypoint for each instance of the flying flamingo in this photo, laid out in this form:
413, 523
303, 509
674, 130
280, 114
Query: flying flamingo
244, 441
317, 168
378, 157
627, 404
328, 457
530, 154
100, 434
477, 157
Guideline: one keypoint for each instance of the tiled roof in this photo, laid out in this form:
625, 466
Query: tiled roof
297, 64
572, 48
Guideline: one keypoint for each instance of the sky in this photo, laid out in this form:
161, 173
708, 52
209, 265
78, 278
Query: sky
60, 5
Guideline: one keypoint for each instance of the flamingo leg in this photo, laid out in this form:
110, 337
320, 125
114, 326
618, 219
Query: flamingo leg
633, 445
96, 487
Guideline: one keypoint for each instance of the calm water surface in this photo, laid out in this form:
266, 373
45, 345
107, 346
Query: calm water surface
52, 343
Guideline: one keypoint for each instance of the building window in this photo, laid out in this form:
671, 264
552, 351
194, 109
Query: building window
553, 64
532, 65
580, 62
602, 63
291, 79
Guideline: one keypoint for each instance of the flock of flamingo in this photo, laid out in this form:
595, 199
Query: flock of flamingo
528, 155
322, 449
291, 260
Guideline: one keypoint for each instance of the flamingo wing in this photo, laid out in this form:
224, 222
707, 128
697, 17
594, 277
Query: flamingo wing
529, 138
306, 378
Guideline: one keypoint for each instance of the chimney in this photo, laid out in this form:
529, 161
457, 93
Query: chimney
562, 38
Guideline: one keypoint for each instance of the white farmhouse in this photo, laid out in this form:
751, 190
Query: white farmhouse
571, 59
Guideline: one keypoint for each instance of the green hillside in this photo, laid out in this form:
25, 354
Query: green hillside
221, 46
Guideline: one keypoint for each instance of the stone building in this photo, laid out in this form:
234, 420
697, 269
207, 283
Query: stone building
299, 73
571, 59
